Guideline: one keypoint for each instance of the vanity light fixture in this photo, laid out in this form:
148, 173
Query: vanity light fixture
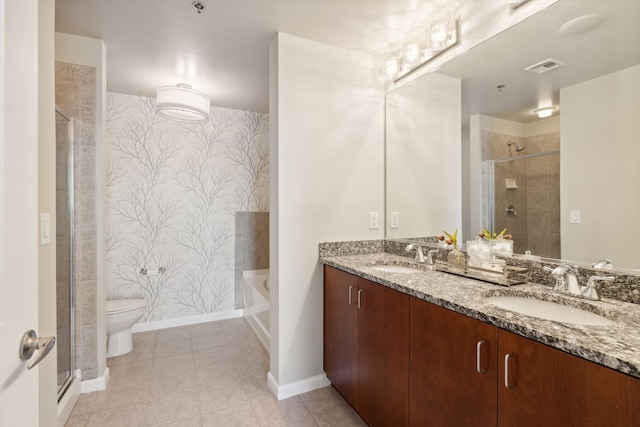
182, 103
441, 36
545, 112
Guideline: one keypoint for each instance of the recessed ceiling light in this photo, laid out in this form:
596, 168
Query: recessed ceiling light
581, 24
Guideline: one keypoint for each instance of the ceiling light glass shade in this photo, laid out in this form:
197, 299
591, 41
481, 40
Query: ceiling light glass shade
182, 103
544, 112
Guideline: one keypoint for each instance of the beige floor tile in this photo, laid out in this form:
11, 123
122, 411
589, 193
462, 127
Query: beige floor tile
171, 347
171, 381
125, 391
189, 422
235, 416
210, 340
212, 374
139, 369
140, 353
256, 386
213, 355
308, 422
77, 420
272, 412
171, 407
144, 338
131, 415
172, 334
330, 409
176, 361
223, 394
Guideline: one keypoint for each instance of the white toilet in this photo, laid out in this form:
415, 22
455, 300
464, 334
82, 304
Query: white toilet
122, 314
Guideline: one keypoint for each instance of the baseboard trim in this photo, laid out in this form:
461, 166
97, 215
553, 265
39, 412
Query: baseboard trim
96, 384
184, 321
298, 387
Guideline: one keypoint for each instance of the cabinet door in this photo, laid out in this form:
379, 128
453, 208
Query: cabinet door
383, 355
341, 331
548, 387
452, 372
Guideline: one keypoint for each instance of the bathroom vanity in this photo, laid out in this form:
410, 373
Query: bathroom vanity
428, 349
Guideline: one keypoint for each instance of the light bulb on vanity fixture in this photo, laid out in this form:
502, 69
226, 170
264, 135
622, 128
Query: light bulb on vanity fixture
544, 112
182, 103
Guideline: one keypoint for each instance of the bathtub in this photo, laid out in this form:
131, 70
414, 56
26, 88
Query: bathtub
256, 303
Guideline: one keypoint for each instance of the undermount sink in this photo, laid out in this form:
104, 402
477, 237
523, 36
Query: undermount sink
397, 269
548, 310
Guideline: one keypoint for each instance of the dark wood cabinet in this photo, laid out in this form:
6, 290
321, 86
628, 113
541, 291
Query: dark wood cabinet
399, 360
341, 331
383, 355
366, 350
453, 369
541, 386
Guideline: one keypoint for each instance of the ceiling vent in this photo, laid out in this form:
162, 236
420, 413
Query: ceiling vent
544, 66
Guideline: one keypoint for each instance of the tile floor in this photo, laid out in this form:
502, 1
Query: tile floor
210, 374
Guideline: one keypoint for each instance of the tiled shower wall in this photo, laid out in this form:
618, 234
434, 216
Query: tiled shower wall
76, 95
536, 227
173, 190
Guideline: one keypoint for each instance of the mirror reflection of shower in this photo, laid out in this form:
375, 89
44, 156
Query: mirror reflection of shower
524, 197
518, 148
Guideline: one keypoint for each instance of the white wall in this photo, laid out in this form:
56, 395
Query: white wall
92, 53
327, 174
599, 173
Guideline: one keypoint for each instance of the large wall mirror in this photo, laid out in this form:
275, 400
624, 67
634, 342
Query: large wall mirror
565, 186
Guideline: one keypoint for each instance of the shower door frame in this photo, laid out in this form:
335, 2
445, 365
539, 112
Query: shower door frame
71, 206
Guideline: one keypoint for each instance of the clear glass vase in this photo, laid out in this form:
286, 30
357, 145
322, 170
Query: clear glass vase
456, 257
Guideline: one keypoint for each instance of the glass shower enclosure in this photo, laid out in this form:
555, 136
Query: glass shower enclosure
524, 198
64, 250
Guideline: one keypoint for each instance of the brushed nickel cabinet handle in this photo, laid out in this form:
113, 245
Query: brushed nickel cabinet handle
359, 299
350, 287
479, 367
507, 383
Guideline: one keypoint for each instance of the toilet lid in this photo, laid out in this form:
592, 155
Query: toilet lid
118, 305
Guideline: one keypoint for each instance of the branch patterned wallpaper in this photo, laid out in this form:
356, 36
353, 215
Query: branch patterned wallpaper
172, 193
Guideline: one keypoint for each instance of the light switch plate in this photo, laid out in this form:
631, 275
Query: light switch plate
574, 217
45, 229
395, 220
373, 220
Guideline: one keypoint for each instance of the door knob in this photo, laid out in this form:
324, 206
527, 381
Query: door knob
31, 343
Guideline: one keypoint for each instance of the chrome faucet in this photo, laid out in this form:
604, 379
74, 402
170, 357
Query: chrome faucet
419, 254
566, 279
590, 291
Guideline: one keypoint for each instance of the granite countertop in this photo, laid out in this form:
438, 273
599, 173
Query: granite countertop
616, 346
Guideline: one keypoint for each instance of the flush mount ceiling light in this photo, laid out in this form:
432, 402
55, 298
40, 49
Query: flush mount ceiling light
183, 104
545, 112
581, 24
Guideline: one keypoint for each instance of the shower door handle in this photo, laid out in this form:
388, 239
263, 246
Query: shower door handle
31, 343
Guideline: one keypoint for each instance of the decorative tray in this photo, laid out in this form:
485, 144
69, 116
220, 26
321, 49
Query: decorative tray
510, 276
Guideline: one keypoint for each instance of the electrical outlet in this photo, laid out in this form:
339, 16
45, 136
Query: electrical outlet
395, 220
574, 217
373, 220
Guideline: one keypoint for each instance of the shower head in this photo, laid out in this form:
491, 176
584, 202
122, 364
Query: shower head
519, 147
